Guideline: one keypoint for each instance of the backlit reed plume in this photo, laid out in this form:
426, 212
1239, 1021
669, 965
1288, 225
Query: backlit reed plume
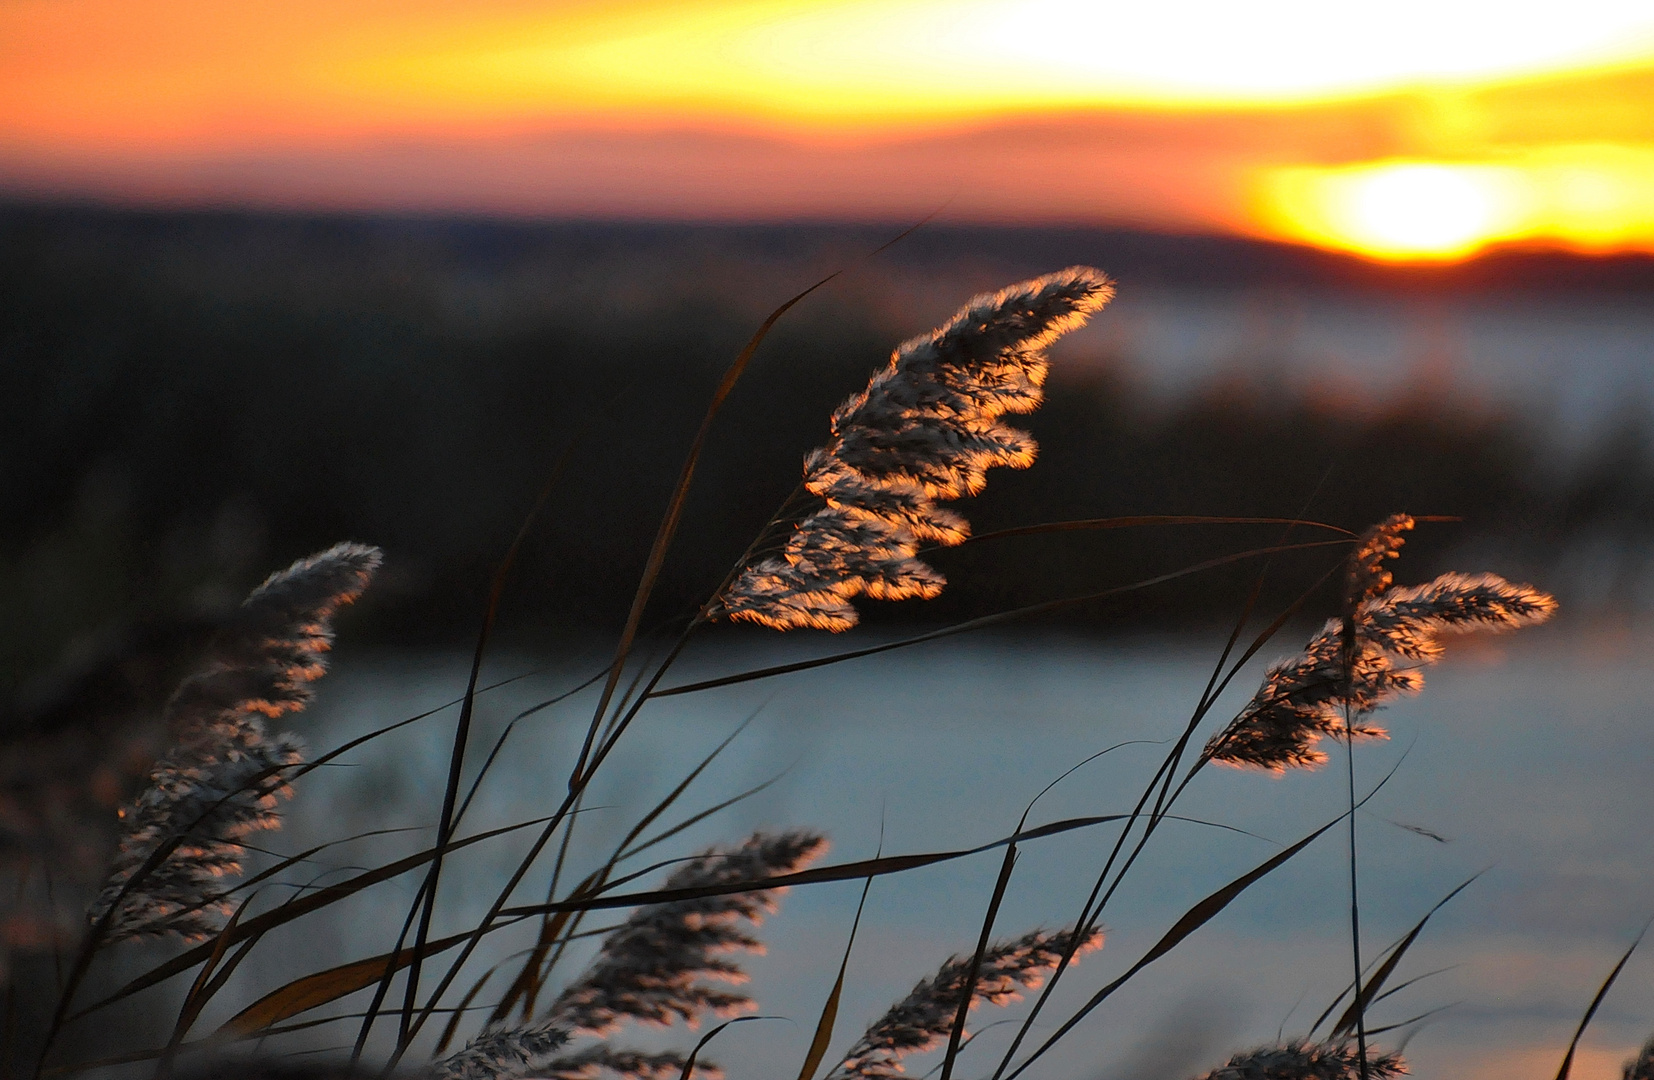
1357, 663
1308, 1061
922, 1020
223, 776
597, 1061
1642, 1066
649, 970
926, 429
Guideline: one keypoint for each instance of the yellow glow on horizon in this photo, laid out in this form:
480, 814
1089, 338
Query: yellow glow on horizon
1446, 116
882, 60
1585, 198
102, 70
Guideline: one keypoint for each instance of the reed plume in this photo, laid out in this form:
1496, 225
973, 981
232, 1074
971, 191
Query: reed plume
595, 1061
649, 970
926, 429
1642, 1066
1368, 657
1308, 1061
223, 776
922, 1020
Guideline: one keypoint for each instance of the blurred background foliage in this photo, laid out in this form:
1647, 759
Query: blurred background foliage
190, 399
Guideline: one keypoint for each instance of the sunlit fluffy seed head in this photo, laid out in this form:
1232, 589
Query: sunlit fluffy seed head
502, 1055
925, 430
923, 1019
224, 774
1641, 1067
1307, 696
650, 970
601, 1060
1368, 575
1308, 1061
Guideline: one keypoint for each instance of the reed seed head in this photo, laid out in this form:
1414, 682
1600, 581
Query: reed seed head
925, 430
1642, 1066
598, 1060
1368, 576
922, 1020
501, 1055
1397, 632
1308, 1061
649, 970
223, 777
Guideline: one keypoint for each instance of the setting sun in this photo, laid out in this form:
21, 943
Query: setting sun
1400, 210
1585, 198
1427, 130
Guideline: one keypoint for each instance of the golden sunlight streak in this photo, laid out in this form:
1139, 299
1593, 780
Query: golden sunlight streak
884, 61
1425, 129
1589, 198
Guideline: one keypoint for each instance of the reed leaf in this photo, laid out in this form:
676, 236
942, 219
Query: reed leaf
298, 908
303, 994
1346, 1023
829, 1010
985, 621
1591, 1011
1192, 920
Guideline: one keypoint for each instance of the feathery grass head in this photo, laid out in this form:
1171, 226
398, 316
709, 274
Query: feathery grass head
596, 1061
923, 1019
649, 971
224, 774
1368, 576
1335, 680
1308, 1061
926, 429
1642, 1066
501, 1055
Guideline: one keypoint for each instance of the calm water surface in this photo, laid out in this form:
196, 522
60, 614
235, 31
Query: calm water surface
1530, 757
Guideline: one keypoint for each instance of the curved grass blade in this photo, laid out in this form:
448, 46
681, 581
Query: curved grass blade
1138, 521
303, 994
199, 993
669, 522
287, 913
957, 1032
1346, 1023
988, 620
889, 864
1602, 992
1427, 1014
452, 1028
829, 1011
689, 1064
462, 737
1192, 920
1098, 899
1404, 984
525, 987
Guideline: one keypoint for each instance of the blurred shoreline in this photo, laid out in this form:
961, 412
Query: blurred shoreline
190, 398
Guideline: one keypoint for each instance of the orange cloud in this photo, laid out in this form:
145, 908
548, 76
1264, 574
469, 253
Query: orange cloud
1387, 140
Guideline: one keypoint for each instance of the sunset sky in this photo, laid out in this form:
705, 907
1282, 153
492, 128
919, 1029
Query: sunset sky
1413, 129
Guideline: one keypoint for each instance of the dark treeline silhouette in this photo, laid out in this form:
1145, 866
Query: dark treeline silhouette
189, 399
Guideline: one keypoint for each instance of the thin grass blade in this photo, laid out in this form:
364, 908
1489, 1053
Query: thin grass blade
1346, 1023
1602, 992
298, 908
302, 995
829, 1011
985, 621
1192, 920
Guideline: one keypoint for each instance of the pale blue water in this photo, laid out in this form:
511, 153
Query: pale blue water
1570, 362
1532, 756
